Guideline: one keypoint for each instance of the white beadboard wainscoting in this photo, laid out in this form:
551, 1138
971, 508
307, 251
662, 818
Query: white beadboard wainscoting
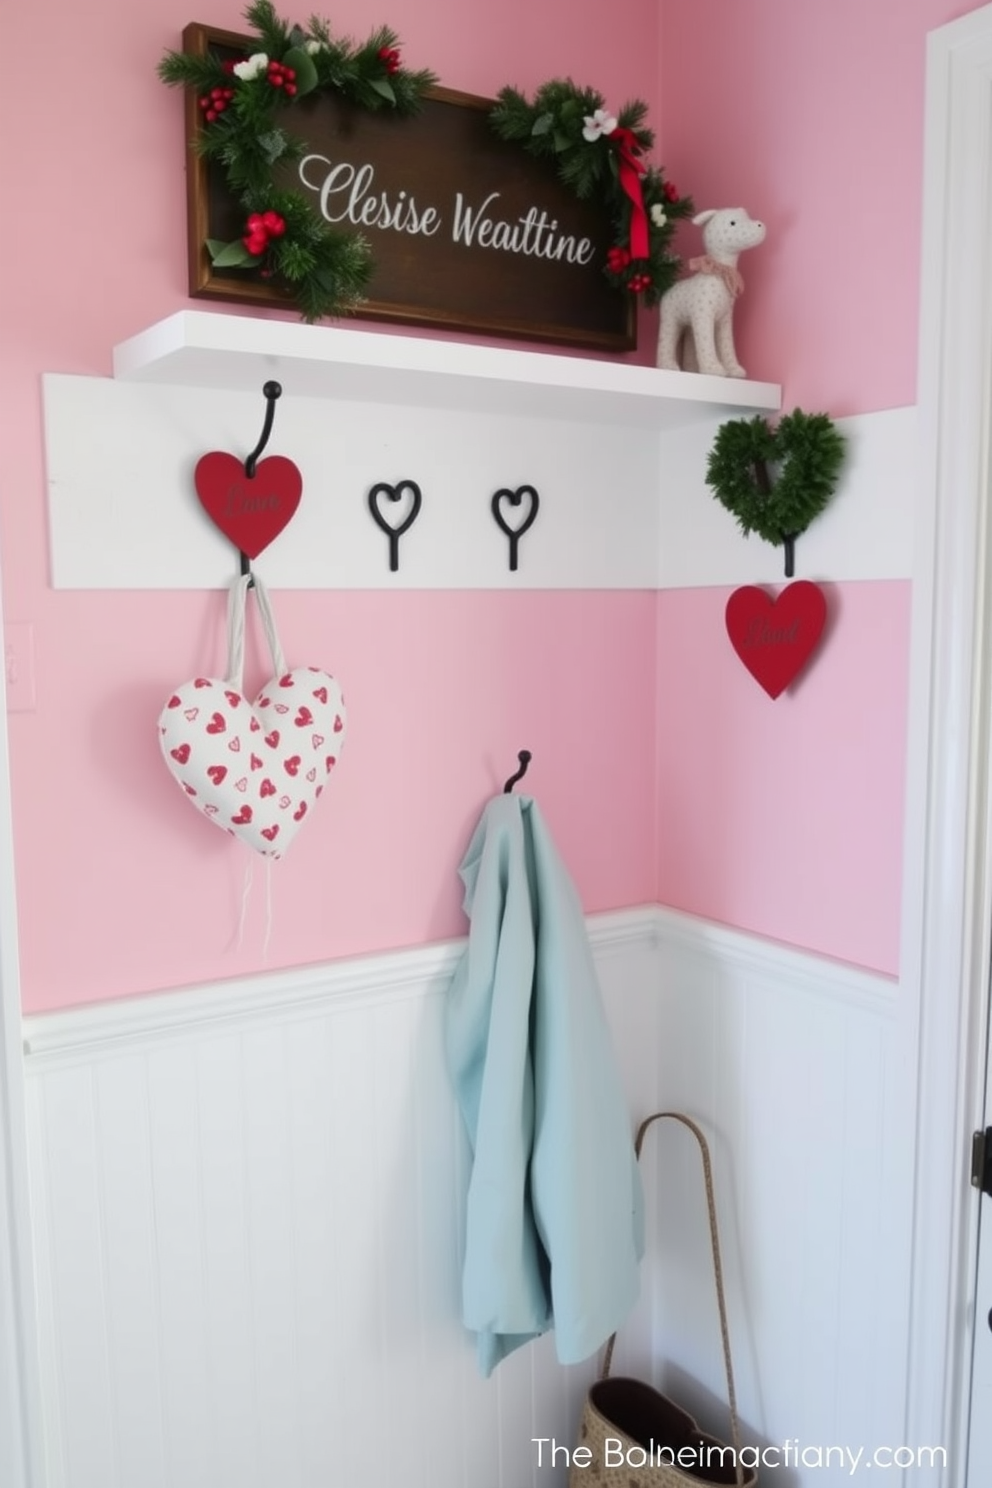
247, 1207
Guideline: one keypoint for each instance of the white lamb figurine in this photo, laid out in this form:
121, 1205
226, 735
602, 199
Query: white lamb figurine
704, 303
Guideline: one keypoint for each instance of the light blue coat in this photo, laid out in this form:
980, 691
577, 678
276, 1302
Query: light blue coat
554, 1229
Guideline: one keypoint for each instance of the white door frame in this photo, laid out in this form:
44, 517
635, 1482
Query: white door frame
948, 829
21, 1451
20, 1415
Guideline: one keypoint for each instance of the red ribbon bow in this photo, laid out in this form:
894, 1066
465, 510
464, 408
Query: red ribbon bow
631, 171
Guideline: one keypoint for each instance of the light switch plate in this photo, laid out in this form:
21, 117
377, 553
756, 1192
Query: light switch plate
19, 667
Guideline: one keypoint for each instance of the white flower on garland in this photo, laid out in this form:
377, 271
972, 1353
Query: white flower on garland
255, 65
658, 215
598, 123
313, 47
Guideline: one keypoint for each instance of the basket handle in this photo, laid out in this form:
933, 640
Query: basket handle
735, 1427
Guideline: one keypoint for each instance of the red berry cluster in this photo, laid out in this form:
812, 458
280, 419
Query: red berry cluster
215, 102
671, 192
282, 77
263, 226
617, 260
638, 282
390, 58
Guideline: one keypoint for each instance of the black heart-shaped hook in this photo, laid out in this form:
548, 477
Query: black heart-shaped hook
394, 534
515, 533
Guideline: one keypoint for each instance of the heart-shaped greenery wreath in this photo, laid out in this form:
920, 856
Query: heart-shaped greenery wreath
805, 452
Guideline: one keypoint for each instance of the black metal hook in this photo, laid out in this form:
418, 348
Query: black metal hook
515, 533
395, 533
524, 756
271, 391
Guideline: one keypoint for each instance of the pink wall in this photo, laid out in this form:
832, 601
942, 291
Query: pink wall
120, 889
813, 115
785, 818
439, 702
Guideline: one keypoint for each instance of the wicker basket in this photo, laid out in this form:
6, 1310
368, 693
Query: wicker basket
635, 1437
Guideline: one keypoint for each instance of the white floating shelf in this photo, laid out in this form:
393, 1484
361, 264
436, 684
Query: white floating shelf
199, 349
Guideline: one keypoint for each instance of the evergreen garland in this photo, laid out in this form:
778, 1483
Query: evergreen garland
806, 450
570, 127
327, 270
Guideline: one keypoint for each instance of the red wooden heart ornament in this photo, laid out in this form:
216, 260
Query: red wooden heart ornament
250, 511
775, 638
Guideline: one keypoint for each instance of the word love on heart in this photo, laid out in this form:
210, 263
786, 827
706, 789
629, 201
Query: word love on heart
250, 510
775, 638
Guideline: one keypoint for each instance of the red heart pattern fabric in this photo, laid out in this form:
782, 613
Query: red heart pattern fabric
255, 769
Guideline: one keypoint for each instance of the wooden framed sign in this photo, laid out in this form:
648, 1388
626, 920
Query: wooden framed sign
467, 232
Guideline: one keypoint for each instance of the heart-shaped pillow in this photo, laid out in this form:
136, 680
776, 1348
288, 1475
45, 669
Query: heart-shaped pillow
255, 769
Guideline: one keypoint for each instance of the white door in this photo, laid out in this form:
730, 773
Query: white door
947, 905
980, 1424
